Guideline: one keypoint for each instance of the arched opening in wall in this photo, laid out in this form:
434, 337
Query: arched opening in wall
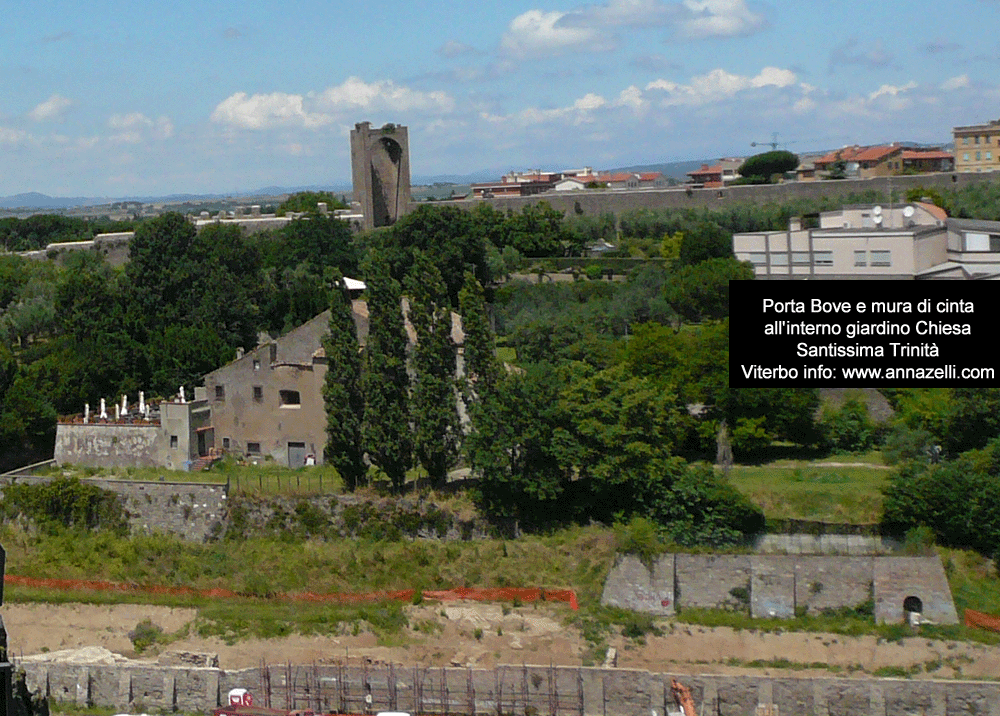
912, 609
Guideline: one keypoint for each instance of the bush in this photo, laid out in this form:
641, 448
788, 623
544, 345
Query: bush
145, 635
66, 503
848, 429
639, 536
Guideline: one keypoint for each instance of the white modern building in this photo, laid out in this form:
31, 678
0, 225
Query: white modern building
904, 242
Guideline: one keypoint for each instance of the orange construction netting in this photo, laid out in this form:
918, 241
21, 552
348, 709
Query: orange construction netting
498, 594
981, 620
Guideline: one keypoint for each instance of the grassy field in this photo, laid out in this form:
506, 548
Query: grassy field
820, 490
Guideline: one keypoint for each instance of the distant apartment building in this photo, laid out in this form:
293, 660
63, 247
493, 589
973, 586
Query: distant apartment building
977, 147
905, 242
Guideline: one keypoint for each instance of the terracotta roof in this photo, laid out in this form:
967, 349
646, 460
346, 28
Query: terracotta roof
846, 154
935, 154
933, 209
874, 154
705, 169
618, 176
650, 176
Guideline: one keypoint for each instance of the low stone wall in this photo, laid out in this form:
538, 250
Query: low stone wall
550, 691
192, 510
782, 585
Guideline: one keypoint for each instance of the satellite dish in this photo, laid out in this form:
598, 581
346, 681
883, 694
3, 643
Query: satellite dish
878, 220
909, 211
877, 210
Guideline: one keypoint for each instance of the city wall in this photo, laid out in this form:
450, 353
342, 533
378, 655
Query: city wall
781, 585
516, 690
596, 202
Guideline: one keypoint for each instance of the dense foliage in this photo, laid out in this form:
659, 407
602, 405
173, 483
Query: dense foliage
65, 503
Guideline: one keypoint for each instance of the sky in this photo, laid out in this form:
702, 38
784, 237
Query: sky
113, 99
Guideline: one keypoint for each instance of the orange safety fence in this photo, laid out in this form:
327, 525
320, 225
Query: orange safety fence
981, 620
498, 594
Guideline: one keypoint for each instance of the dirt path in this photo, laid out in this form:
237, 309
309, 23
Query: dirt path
483, 635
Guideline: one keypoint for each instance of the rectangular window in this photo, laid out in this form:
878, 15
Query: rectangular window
823, 258
965, 140
779, 259
800, 258
225, 443
977, 242
881, 258
253, 448
256, 364
965, 156
860, 258
757, 258
977, 139
220, 392
173, 442
258, 394
289, 398
989, 156
978, 156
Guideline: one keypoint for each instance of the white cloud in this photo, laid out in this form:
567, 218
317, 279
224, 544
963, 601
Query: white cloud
580, 112
719, 84
593, 27
537, 33
136, 127
720, 18
12, 136
310, 111
54, 108
632, 98
954, 83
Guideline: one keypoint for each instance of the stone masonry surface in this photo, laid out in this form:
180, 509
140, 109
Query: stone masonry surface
782, 585
552, 691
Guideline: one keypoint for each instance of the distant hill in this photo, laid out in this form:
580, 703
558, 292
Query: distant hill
34, 200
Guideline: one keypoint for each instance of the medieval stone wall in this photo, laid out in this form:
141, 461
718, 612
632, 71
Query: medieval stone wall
782, 585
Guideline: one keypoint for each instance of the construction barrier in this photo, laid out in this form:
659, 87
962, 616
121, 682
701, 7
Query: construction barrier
981, 620
498, 594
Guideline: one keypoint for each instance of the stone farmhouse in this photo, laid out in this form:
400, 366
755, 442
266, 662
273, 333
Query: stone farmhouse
267, 404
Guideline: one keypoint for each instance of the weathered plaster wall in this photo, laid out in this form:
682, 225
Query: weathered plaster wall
565, 691
107, 445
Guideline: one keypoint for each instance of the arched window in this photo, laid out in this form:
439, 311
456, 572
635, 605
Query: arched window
913, 604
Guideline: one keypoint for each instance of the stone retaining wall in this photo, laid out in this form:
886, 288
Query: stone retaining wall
546, 691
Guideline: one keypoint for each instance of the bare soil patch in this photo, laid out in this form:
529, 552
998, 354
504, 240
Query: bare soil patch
483, 635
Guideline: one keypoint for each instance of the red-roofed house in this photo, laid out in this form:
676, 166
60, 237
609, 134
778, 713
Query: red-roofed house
928, 160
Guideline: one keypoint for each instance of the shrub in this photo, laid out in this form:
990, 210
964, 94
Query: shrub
145, 635
848, 429
66, 503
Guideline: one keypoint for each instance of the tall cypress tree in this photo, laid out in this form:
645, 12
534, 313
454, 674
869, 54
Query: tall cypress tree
342, 394
433, 407
482, 368
385, 383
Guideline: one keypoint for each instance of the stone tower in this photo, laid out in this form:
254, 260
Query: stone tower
380, 165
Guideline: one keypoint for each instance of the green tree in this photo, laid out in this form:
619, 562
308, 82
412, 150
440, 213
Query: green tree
762, 168
703, 241
521, 450
433, 408
385, 383
307, 201
481, 366
701, 292
342, 394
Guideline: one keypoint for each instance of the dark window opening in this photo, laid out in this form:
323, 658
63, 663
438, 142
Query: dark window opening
289, 397
225, 443
220, 392
253, 448
173, 441
258, 394
913, 604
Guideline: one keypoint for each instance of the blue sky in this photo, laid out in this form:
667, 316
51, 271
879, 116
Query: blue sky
133, 98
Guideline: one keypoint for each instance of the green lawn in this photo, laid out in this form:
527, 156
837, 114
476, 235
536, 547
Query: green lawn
816, 490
